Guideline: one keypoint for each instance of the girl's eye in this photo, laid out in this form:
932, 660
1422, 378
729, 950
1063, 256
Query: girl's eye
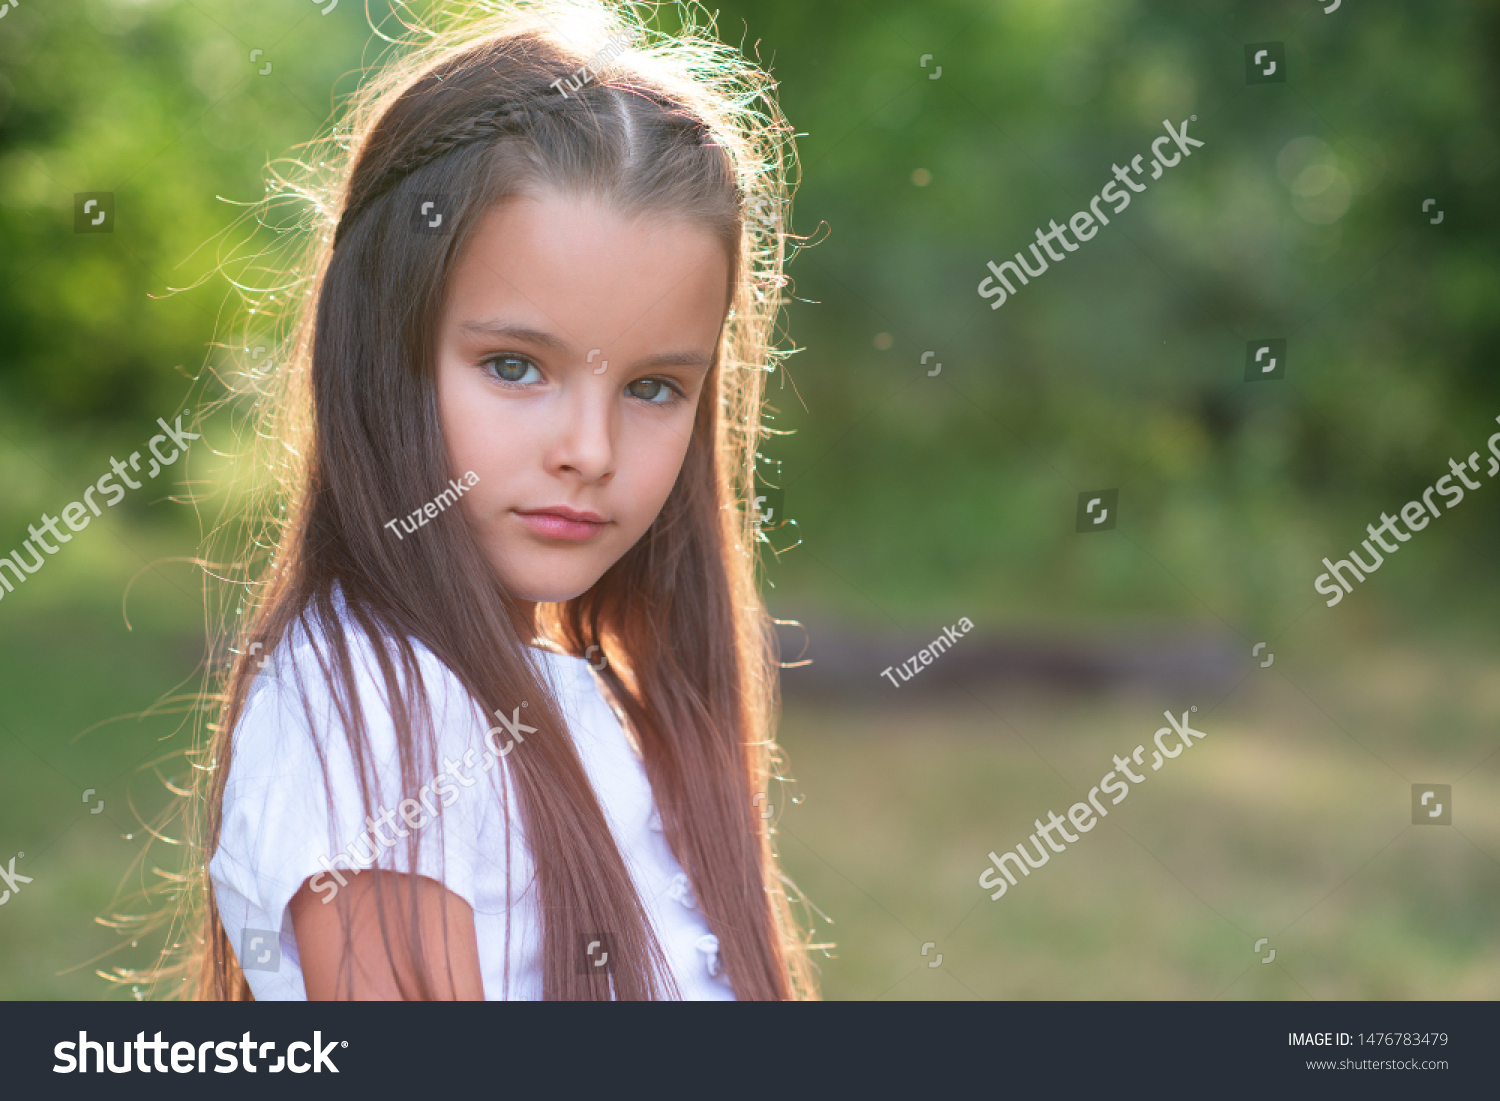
511, 368
657, 391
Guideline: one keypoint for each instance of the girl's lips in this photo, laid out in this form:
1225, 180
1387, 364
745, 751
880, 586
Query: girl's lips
563, 524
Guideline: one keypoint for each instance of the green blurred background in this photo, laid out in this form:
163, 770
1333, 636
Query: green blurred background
918, 498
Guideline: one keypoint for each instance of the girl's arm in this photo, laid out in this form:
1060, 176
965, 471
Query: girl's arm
320, 927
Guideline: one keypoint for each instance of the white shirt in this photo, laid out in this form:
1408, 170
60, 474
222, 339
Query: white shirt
276, 830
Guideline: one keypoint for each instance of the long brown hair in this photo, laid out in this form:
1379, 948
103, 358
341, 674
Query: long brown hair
677, 125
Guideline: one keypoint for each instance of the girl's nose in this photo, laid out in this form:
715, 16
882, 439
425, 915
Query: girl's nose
584, 441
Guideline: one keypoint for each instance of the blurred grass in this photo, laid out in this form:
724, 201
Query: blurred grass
72, 678
1283, 823
1290, 821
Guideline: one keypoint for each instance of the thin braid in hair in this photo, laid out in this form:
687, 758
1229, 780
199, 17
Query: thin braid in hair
510, 115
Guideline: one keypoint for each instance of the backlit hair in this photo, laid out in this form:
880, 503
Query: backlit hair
482, 106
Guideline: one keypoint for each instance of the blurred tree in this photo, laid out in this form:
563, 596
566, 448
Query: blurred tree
935, 138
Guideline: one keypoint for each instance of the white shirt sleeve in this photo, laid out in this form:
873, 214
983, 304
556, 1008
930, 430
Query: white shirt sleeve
282, 824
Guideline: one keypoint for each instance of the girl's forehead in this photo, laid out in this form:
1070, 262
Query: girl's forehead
559, 263
566, 224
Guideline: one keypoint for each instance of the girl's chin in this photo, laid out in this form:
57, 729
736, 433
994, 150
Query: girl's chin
546, 587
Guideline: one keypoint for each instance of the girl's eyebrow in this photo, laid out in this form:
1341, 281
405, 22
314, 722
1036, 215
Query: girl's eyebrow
546, 340
514, 332
674, 359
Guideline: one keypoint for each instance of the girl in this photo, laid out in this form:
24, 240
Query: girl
501, 721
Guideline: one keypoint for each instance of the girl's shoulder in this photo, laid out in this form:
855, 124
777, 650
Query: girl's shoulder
311, 794
305, 657
304, 728
299, 707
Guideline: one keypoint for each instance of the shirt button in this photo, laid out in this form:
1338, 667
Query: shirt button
708, 944
682, 891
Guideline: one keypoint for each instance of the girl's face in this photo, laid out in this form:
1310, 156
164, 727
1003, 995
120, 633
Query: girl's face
573, 348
